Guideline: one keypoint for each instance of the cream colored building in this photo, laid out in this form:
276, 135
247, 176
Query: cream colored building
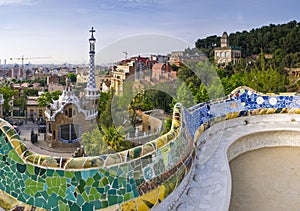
33, 110
227, 54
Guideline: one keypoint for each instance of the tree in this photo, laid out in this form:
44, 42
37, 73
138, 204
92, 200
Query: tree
265, 80
8, 93
201, 95
104, 109
30, 92
94, 144
115, 138
72, 77
184, 96
48, 97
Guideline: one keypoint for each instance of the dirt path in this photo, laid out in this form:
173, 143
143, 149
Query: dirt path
266, 179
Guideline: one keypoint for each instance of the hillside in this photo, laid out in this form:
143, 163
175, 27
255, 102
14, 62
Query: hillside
281, 39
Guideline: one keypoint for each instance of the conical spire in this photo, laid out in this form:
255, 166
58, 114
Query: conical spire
91, 90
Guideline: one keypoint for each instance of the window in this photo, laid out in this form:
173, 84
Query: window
70, 112
69, 133
66, 112
40, 112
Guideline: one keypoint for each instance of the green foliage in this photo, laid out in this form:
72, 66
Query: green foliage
106, 140
265, 80
48, 97
201, 95
115, 138
94, 144
104, 109
208, 44
282, 37
8, 93
167, 125
30, 92
184, 96
72, 77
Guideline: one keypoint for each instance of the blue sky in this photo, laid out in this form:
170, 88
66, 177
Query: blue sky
59, 28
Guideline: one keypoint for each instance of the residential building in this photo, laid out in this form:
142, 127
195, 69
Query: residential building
227, 54
33, 110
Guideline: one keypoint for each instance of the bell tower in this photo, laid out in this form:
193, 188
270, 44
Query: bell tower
224, 40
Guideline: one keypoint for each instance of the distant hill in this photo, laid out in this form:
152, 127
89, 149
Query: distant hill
282, 37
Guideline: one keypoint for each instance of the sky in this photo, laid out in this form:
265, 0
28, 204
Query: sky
59, 29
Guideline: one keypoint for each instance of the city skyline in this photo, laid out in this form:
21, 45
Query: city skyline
59, 29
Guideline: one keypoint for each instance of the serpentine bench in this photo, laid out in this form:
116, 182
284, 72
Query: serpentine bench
150, 176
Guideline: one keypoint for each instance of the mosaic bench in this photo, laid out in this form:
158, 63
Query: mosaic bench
136, 179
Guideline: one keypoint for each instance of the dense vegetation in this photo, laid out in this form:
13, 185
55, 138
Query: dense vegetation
283, 38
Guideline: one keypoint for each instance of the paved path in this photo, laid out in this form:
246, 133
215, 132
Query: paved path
41, 147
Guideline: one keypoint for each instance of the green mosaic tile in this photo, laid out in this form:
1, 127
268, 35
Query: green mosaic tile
87, 190
52, 201
91, 198
104, 204
30, 169
32, 187
15, 157
87, 207
30, 201
97, 204
89, 182
128, 188
121, 191
69, 174
78, 175
50, 172
60, 173
101, 190
112, 192
106, 188
120, 199
110, 179
63, 207
103, 197
85, 197
115, 183
112, 199
81, 186
97, 177
80, 200
97, 196
128, 196
14, 194
56, 185
39, 202
95, 184
104, 181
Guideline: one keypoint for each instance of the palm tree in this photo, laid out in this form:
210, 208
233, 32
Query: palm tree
94, 144
115, 137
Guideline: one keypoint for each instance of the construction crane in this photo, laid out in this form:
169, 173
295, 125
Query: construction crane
26, 58
126, 53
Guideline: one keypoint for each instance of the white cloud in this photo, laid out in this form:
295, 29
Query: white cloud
17, 2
